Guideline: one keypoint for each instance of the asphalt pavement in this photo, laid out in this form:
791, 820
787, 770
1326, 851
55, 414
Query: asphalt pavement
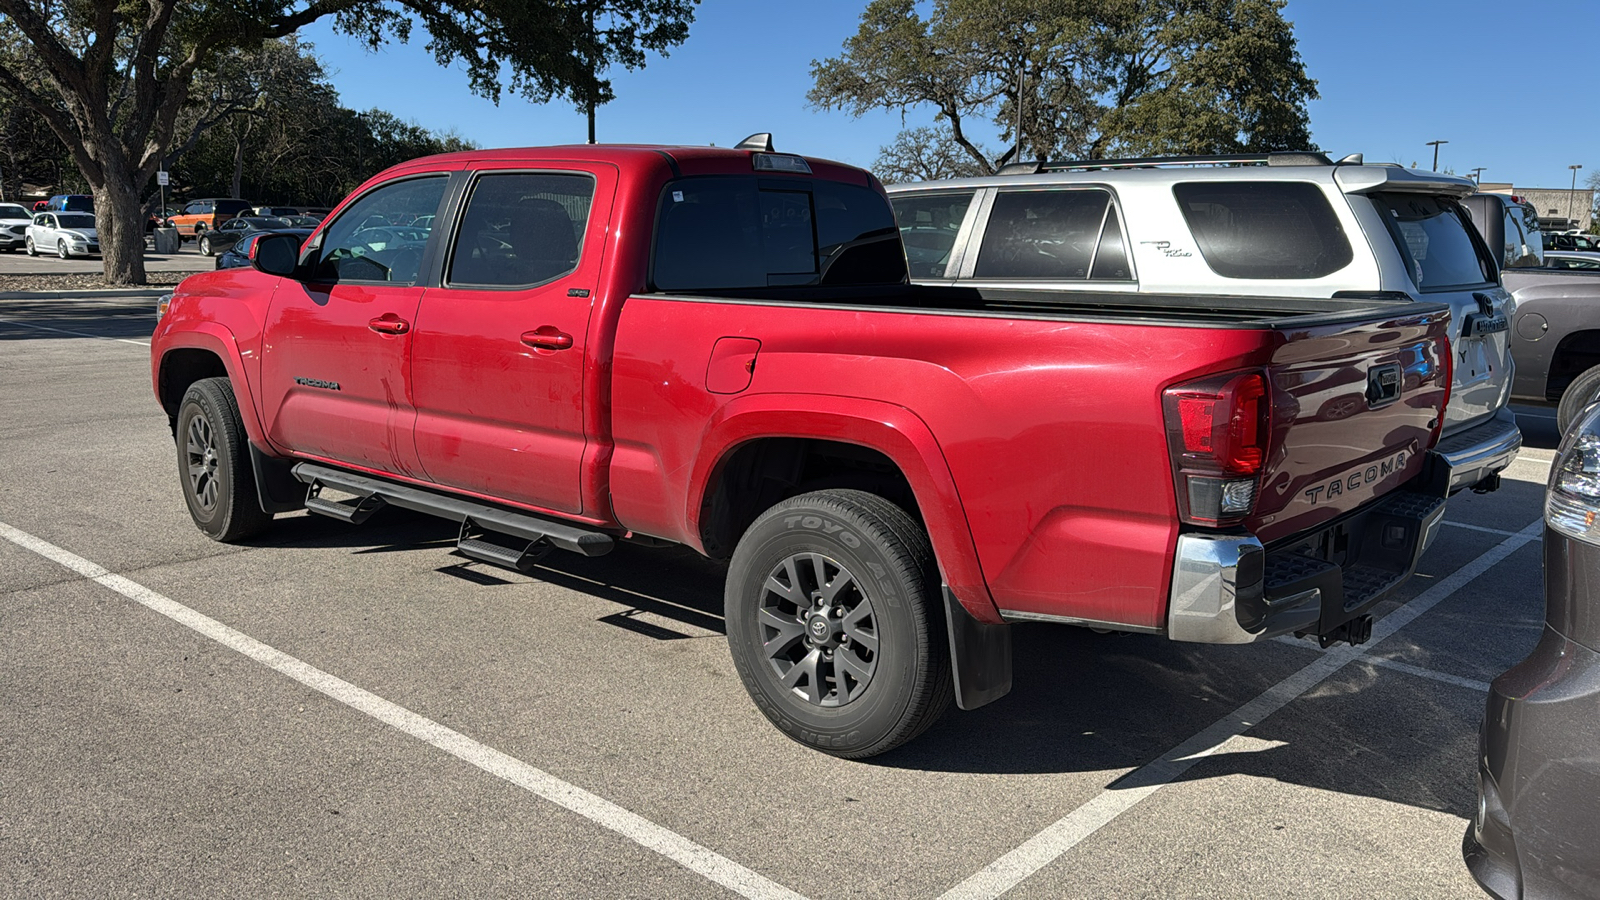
356, 711
16, 262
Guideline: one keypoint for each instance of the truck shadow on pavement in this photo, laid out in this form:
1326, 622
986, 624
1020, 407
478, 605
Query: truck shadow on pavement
1082, 701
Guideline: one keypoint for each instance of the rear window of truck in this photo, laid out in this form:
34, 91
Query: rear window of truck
1277, 230
738, 231
1434, 236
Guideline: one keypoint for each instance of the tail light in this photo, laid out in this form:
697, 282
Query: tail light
1448, 365
1218, 429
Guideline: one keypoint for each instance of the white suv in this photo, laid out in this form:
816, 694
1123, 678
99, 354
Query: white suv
1277, 224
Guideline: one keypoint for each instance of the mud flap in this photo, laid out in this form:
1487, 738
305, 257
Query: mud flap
980, 656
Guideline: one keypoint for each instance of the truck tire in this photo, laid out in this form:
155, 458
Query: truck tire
835, 622
214, 464
1584, 390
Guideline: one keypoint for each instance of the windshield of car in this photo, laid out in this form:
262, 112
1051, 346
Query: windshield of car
78, 204
1434, 238
13, 211
75, 221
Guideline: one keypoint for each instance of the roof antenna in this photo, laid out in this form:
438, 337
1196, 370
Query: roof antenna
1354, 159
761, 140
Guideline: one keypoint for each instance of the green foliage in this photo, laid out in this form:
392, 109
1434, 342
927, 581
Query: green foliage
1094, 78
116, 80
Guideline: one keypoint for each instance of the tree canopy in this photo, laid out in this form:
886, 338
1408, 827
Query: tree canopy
112, 78
1077, 78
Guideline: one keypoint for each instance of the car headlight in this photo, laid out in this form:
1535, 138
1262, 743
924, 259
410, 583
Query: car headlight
1572, 501
162, 302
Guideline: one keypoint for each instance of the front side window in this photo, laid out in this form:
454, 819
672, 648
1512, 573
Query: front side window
1050, 235
737, 231
929, 224
375, 238
521, 229
1264, 229
1432, 234
43, 221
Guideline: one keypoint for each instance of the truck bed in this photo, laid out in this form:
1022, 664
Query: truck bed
1273, 313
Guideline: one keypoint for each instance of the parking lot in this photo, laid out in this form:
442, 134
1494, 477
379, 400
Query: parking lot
187, 259
358, 711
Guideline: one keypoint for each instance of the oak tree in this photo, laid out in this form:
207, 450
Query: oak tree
111, 78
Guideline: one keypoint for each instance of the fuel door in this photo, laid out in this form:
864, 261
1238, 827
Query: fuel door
733, 362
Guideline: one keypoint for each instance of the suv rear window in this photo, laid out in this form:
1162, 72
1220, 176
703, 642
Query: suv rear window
1264, 229
230, 207
1434, 236
740, 231
1057, 235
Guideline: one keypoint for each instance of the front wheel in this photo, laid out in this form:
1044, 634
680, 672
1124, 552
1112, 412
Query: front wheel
214, 464
835, 624
29, 247
61, 250
1584, 390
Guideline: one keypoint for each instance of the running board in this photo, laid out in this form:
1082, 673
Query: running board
473, 516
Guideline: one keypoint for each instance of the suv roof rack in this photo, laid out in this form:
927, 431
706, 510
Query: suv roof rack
1274, 158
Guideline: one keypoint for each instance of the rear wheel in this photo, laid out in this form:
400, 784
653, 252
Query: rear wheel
835, 625
214, 464
1584, 390
205, 244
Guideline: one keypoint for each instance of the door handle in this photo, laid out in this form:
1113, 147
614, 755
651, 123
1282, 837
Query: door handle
389, 323
547, 337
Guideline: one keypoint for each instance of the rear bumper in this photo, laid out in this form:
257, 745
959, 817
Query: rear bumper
1230, 589
1467, 458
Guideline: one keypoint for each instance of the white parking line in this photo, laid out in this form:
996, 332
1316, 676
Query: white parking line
647, 834
1126, 792
77, 333
1420, 672
1500, 531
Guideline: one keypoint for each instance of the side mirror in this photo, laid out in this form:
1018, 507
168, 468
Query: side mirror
277, 254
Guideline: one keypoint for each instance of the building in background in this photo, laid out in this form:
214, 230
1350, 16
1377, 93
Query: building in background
1559, 209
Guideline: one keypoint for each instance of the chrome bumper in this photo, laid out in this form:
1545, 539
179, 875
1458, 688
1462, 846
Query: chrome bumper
1470, 456
1228, 589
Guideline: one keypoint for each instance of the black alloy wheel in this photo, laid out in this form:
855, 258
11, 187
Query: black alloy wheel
835, 622
214, 463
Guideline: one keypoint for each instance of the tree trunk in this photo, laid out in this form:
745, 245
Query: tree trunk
119, 218
238, 167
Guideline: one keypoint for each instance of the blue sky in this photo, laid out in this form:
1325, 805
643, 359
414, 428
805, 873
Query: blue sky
1392, 75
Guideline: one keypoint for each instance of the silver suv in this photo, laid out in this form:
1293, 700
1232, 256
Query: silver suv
1277, 224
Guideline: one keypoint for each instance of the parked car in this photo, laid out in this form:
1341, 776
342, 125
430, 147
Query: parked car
71, 203
274, 211
200, 216
718, 347
1270, 224
1538, 817
299, 221
229, 232
237, 255
1571, 240
68, 234
1555, 323
320, 212
14, 221
1580, 261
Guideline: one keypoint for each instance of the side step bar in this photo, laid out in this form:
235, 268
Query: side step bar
375, 493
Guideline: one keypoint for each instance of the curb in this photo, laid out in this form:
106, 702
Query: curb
84, 294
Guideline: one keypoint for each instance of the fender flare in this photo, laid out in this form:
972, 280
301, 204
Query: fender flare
217, 340
892, 430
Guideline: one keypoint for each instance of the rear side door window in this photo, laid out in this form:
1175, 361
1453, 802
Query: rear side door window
521, 229
381, 236
929, 224
1434, 237
1279, 230
1053, 235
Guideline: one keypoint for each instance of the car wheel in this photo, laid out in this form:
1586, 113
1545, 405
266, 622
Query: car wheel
61, 250
1584, 390
205, 245
214, 464
31, 250
835, 623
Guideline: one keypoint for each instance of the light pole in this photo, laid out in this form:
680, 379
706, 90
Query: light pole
1435, 146
1477, 174
1572, 196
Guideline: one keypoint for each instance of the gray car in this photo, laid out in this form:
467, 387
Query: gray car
1537, 828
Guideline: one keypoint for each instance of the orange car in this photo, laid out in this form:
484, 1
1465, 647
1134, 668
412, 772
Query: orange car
200, 216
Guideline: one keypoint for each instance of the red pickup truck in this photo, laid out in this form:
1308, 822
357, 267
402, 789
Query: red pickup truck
563, 348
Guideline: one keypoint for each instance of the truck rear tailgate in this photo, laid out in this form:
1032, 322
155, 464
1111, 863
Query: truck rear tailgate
1354, 409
